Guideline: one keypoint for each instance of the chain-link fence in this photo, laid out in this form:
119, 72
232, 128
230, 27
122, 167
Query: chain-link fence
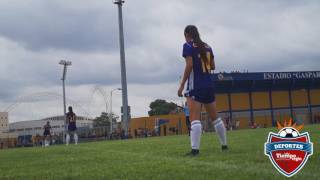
31, 138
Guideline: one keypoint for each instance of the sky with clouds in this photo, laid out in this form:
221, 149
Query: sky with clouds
35, 35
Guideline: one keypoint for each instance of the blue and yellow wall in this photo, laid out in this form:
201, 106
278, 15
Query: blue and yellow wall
258, 99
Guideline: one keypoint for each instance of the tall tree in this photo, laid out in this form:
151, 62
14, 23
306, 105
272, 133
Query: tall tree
104, 119
162, 107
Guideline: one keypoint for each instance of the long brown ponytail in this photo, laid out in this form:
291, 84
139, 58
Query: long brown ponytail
193, 32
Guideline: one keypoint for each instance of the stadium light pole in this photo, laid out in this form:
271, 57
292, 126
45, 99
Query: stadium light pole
125, 119
117, 89
65, 66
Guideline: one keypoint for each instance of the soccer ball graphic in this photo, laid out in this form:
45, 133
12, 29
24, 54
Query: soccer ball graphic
288, 132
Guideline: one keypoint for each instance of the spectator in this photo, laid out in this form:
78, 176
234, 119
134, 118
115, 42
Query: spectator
187, 114
47, 134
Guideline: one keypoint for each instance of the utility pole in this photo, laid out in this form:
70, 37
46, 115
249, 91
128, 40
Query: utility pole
65, 66
125, 120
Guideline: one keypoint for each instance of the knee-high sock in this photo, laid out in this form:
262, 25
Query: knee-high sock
67, 139
195, 134
221, 131
46, 143
75, 136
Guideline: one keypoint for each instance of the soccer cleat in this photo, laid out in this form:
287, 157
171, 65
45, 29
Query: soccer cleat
224, 148
193, 152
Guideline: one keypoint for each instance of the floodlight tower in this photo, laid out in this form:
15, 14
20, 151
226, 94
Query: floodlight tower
125, 120
65, 66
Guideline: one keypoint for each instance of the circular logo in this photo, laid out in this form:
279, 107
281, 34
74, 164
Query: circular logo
220, 76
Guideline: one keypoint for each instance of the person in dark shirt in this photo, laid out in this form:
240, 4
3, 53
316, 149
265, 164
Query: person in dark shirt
47, 134
72, 126
187, 114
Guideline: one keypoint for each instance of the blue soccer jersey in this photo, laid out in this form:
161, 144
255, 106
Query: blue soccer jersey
201, 76
71, 119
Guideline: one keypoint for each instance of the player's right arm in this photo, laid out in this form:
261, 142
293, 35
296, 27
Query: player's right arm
187, 54
186, 74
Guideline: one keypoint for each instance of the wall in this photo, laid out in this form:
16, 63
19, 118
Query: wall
282, 107
176, 122
261, 112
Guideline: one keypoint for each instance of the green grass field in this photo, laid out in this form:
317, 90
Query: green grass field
155, 158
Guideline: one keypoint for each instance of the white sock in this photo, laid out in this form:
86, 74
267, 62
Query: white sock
221, 131
195, 134
67, 139
75, 136
46, 143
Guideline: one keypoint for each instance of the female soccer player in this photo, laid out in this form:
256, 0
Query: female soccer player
47, 134
200, 87
72, 126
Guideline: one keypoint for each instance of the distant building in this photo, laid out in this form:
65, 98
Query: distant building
4, 122
34, 127
6, 139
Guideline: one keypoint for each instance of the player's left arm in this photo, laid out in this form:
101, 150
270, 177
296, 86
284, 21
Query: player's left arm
212, 63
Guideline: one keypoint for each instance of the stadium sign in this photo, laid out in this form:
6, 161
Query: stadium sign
292, 75
288, 150
267, 76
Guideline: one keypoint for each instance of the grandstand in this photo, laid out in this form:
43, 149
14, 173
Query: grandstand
251, 100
